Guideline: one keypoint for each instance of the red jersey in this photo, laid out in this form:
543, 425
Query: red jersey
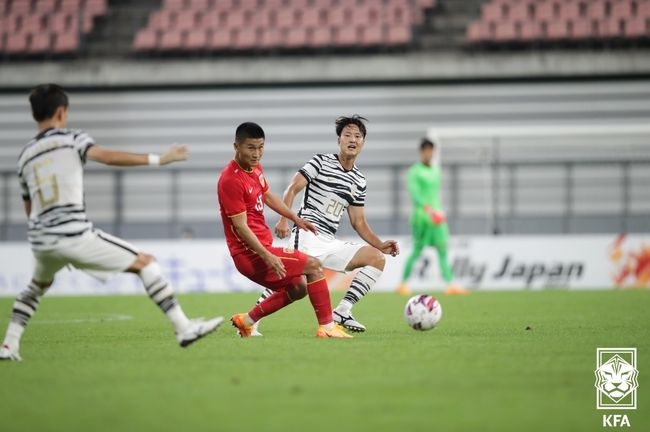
242, 191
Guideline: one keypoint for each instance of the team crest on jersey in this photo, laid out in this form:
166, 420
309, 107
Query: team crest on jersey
262, 181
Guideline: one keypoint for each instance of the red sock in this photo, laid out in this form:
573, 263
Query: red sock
272, 303
319, 296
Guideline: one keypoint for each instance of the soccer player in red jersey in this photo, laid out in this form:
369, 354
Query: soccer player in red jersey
242, 191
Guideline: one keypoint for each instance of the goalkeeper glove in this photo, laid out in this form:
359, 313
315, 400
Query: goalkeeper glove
437, 217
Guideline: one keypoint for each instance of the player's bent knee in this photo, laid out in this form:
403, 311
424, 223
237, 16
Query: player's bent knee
297, 290
141, 261
313, 266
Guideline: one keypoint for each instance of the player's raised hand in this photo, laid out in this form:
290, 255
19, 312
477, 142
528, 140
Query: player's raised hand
275, 264
390, 247
175, 153
282, 228
306, 225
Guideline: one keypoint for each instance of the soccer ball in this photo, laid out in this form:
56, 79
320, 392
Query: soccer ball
422, 312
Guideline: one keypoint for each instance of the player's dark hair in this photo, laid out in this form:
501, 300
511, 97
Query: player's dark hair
248, 130
426, 143
356, 119
45, 99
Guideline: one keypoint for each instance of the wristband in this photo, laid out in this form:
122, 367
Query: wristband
154, 159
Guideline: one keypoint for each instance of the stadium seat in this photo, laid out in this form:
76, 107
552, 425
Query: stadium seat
559, 20
171, 40
39, 43
290, 24
16, 43
66, 42
146, 40
196, 39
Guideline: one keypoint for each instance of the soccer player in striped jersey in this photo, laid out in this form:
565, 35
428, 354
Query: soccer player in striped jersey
50, 172
428, 222
243, 191
334, 184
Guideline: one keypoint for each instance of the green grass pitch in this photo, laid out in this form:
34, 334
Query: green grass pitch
481, 369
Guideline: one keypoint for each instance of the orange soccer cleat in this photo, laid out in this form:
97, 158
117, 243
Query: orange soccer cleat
453, 289
239, 321
336, 332
403, 289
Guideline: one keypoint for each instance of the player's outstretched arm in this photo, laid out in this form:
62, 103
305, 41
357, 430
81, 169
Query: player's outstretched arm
277, 205
360, 224
105, 156
298, 183
254, 244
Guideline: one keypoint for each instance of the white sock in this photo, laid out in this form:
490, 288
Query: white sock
179, 320
14, 333
344, 307
329, 326
249, 320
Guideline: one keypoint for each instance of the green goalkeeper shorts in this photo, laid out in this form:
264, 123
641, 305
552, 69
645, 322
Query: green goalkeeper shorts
426, 233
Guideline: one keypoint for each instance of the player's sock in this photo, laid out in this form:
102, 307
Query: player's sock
24, 308
361, 284
271, 304
319, 296
161, 292
410, 261
265, 294
445, 269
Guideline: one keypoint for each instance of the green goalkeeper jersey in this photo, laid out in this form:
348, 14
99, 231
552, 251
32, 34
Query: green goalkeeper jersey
424, 187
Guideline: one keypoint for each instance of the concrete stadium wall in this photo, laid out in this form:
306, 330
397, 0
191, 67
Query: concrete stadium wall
299, 122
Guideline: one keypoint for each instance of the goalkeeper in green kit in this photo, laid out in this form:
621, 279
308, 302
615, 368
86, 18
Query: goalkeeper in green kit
428, 221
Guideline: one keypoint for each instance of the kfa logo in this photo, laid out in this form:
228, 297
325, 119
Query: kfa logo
616, 383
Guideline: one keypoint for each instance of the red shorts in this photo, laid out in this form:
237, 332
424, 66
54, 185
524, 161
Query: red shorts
252, 266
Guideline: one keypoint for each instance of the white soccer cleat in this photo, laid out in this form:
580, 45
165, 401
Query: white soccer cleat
348, 322
198, 328
7, 353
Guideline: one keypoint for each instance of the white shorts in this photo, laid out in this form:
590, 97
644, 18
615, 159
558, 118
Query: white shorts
335, 254
99, 254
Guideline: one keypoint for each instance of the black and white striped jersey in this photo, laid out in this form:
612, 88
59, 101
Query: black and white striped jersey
330, 190
50, 172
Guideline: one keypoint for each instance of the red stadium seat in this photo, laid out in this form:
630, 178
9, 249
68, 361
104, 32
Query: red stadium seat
66, 43
221, 39
506, 31
171, 40
16, 43
32, 23
398, 35
638, 27
372, 35
21, 7
547, 10
245, 38
196, 39
185, 20
269, 38
557, 30
146, 40
39, 43
62, 22
70, 5
530, 31
346, 36
45, 6
296, 38
478, 31
322, 37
